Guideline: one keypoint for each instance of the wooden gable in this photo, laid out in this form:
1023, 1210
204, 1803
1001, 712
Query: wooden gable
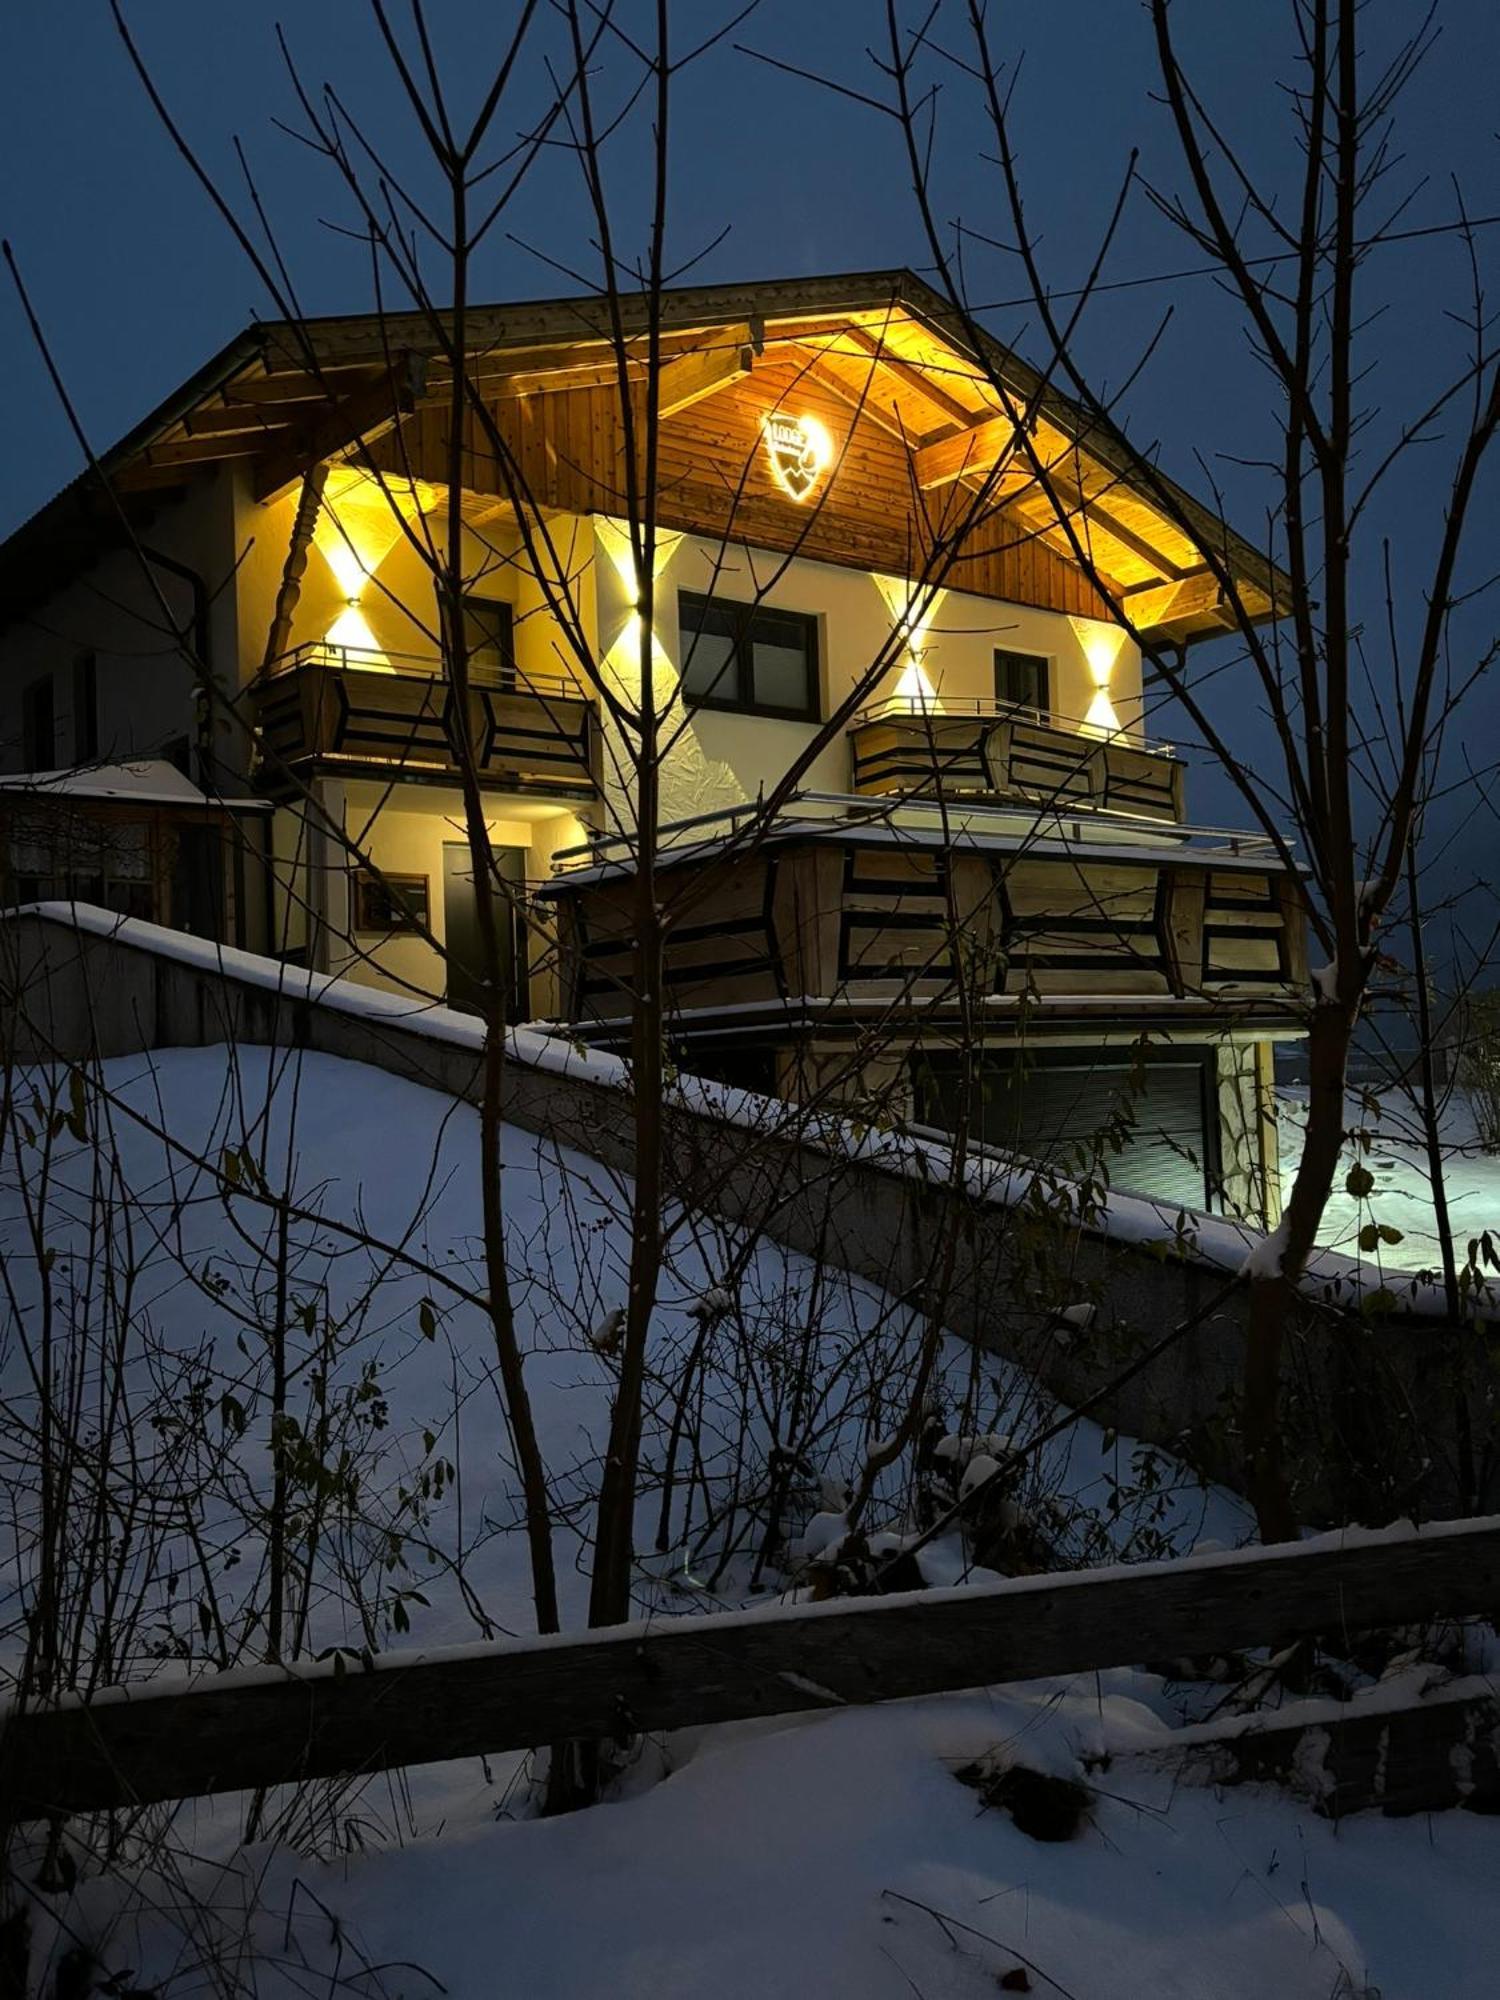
715, 478
920, 409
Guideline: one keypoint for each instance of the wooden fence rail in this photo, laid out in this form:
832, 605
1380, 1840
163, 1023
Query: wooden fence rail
267, 1726
1430, 1753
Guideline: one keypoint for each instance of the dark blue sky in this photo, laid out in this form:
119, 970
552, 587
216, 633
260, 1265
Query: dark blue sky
137, 281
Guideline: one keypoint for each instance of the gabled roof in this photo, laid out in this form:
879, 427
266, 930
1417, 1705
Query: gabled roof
283, 397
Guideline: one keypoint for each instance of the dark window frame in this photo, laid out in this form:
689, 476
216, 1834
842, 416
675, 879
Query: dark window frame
85, 708
1041, 663
36, 695
738, 623
394, 921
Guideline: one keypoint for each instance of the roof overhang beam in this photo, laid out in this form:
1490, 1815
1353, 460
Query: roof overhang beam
354, 421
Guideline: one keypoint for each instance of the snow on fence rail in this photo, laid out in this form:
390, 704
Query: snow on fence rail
1397, 1747
267, 1726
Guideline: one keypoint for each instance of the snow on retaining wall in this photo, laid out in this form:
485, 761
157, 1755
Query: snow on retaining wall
1218, 1242
92, 982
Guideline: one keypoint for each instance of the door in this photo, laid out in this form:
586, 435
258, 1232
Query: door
198, 882
461, 929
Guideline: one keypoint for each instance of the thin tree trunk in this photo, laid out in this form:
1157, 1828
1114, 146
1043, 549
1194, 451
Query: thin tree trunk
529, 1462
1438, 1182
1273, 1293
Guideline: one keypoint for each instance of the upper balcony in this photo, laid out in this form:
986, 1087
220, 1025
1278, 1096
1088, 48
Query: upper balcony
991, 751
340, 708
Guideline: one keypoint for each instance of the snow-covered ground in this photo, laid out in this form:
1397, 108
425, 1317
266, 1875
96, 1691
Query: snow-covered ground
840, 1857
405, 1367
832, 1855
1396, 1158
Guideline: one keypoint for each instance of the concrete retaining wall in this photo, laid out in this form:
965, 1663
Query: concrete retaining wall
1371, 1400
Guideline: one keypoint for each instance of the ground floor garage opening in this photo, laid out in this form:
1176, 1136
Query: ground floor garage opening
1150, 1119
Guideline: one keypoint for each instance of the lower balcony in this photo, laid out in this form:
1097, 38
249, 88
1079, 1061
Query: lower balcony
846, 910
336, 708
992, 751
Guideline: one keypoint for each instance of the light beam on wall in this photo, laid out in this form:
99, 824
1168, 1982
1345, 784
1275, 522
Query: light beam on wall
358, 527
614, 539
912, 611
351, 631
1102, 645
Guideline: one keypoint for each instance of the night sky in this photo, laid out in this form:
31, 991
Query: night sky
137, 281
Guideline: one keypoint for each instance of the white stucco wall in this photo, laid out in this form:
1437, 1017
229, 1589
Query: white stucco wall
403, 830
397, 601
716, 758
146, 693
720, 759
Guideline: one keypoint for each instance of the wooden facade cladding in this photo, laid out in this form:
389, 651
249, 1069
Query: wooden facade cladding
715, 480
824, 919
984, 756
317, 712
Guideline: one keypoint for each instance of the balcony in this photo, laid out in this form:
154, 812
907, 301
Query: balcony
989, 750
337, 708
841, 906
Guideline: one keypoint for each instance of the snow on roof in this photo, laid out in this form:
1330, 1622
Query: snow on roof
149, 781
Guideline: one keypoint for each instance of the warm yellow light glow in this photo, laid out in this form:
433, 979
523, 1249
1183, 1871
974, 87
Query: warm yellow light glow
358, 526
624, 653
800, 451
1102, 646
349, 572
355, 534
911, 613
615, 541
1100, 715
352, 629
914, 689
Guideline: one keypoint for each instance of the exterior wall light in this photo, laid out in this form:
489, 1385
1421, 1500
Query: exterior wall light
912, 610
358, 527
799, 451
1101, 646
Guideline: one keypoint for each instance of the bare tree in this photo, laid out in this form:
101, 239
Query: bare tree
422, 251
1357, 682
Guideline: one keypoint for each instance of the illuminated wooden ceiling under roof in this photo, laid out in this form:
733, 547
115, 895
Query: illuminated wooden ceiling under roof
884, 345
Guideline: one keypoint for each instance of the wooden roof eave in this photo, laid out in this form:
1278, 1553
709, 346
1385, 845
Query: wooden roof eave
1101, 441
273, 352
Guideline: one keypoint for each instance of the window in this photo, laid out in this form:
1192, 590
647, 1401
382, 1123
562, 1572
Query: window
38, 729
742, 656
61, 855
85, 708
489, 641
1023, 680
390, 902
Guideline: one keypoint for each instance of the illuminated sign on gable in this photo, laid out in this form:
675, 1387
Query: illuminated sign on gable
799, 451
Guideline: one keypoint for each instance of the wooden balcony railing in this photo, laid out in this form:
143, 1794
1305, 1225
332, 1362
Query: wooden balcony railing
335, 707
987, 750
897, 903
